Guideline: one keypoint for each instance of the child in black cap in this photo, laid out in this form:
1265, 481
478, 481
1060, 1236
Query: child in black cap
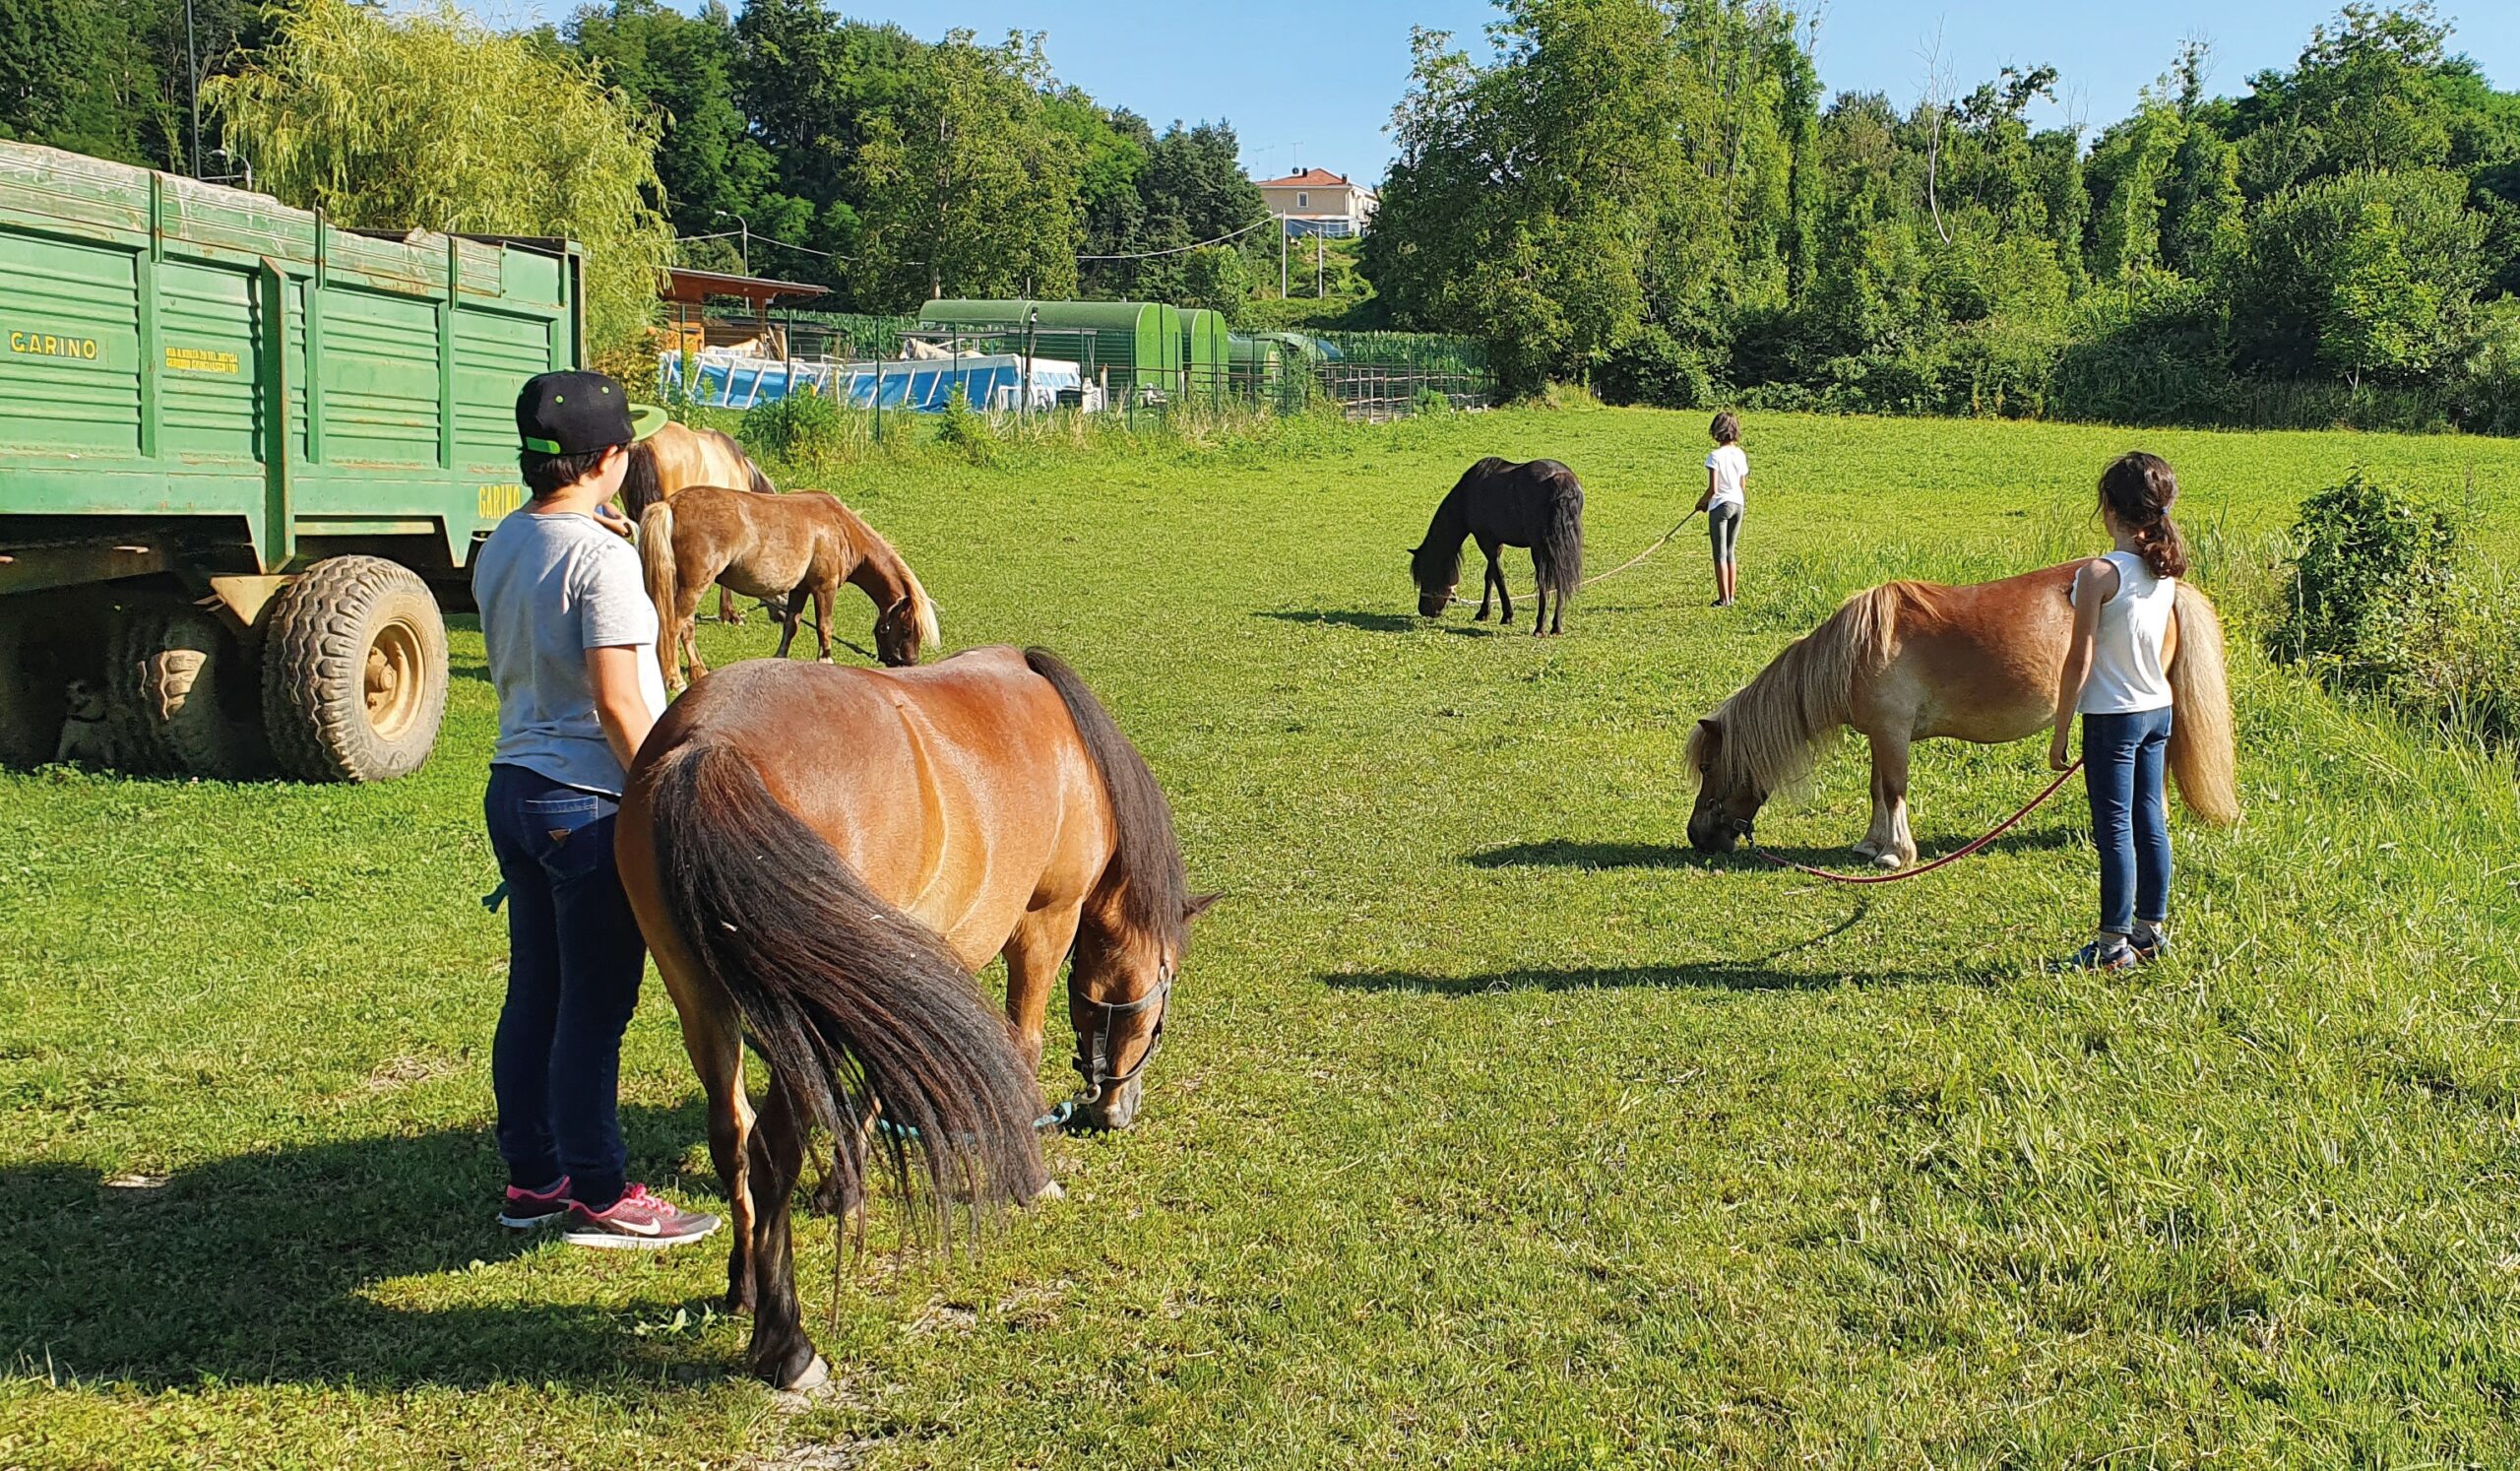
572, 639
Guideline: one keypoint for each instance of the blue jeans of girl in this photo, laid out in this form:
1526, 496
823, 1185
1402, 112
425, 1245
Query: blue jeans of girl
575, 958
2122, 760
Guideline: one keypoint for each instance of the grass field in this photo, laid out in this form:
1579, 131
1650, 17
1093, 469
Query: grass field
1496, 1127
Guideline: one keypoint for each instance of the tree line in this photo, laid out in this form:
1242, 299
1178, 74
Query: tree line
1656, 196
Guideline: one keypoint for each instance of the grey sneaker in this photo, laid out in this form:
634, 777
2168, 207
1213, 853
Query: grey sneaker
2149, 942
2097, 957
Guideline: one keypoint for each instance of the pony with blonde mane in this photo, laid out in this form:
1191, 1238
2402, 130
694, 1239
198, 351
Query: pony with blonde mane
776, 547
1917, 661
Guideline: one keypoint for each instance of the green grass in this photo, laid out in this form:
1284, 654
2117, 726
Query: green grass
1496, 1128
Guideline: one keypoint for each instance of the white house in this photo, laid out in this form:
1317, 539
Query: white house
1317, 202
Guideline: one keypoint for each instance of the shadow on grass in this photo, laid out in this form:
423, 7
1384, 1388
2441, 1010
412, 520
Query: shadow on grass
1758, 972
1715, 974
1379, 622
1567, 852
261, 1268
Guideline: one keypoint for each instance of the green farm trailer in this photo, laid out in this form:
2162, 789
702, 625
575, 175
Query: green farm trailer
245, 457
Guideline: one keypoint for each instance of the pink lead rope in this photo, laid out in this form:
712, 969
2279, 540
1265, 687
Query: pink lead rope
1953, 857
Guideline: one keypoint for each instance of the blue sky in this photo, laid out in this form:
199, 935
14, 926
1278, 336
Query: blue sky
1313, 80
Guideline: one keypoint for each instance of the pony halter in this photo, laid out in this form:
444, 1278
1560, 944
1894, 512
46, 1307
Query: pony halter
1094, 1057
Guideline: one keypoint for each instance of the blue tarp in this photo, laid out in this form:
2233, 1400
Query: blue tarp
921, 385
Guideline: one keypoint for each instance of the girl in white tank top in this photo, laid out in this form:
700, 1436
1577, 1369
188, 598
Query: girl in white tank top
2117, 682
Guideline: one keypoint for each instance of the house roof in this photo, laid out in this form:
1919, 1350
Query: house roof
1313, 178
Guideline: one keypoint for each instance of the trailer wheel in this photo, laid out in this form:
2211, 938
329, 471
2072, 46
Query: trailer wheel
190, 693
354, 672
33, 684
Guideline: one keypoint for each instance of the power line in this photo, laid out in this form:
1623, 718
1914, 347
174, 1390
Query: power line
1148, 255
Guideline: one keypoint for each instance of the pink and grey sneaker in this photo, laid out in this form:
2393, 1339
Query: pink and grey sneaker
525, 1210
637, 1222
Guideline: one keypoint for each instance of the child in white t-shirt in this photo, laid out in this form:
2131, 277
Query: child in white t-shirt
1728, 474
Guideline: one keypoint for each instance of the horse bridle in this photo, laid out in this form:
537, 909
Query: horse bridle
1094, 1057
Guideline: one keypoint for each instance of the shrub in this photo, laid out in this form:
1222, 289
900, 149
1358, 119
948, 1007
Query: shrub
2379, 599
966, 428
804, 429
1653, 369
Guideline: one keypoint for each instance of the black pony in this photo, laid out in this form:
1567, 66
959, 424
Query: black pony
1538, 504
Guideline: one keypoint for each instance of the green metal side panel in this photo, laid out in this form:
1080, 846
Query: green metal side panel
157, 330
1206, 352
1142, 337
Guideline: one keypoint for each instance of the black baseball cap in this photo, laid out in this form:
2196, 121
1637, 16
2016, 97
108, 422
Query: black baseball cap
577, 413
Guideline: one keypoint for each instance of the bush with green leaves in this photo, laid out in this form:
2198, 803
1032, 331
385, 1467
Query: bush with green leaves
2379, 599
966, 428
804, 429
1653, 369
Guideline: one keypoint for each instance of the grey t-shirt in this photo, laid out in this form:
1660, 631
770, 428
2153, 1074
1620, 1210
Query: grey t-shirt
551, 588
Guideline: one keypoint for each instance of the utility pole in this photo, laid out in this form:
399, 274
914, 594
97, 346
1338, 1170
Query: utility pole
1281, 257
1318, 275
746, 225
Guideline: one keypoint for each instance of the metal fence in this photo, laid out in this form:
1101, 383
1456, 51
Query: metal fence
1372, 375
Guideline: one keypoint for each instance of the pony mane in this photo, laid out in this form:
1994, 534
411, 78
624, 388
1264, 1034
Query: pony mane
1774, 727
1155, 889
874, 548
1430, 564
925, 608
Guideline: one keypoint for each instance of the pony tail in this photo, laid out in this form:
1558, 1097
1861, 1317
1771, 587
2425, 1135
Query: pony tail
2163, 548
640, 486
1566, 537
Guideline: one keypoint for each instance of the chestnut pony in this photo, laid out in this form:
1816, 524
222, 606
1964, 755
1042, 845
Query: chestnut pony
677, 458
1912, 661
821, 860
776, 547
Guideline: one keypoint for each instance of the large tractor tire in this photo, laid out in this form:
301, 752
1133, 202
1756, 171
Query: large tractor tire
354, 672
192, 699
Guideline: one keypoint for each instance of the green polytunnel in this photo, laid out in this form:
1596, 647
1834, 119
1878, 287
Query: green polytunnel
1207, 352
1133, 341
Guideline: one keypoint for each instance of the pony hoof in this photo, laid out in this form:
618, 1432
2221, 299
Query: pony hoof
815, 1375
1889, 863
1048, 1191
826, 659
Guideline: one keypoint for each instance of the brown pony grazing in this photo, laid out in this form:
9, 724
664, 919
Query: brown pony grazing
822, 858
776, 546
1911, 660
677, 458
1539, 505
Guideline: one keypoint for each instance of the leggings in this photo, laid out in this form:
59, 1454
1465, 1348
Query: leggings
1723, 528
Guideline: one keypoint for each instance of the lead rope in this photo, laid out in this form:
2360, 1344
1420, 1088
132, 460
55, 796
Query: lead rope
1658, 545
1953, 857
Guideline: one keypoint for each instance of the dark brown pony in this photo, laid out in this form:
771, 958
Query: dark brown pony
677, 458
1539, 505
1912, 661
776, 546
822, 858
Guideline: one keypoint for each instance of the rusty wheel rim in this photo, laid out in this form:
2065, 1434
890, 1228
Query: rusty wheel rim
397, 671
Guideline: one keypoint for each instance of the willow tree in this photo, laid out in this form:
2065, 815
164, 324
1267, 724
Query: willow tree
435, 121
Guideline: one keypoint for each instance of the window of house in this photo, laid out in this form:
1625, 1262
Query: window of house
1303, 201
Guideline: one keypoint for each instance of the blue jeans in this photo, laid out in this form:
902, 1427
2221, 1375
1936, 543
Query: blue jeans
2123, 756
575, 958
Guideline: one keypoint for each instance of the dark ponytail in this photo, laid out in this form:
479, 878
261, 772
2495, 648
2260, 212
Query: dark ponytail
2139, 489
